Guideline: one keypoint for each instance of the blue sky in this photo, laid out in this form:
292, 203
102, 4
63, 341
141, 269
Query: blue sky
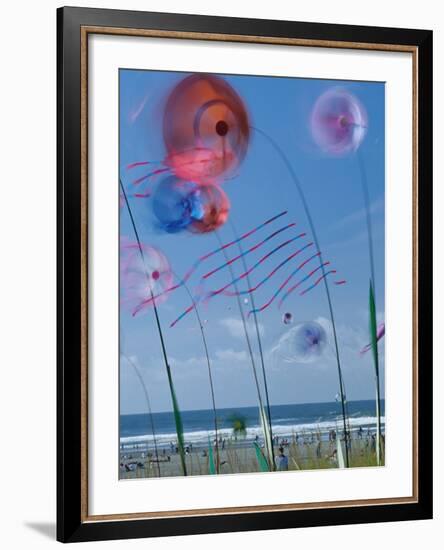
262, 188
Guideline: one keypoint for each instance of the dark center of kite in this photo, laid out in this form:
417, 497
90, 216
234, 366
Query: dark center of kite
155, 275
343, 122
222, 128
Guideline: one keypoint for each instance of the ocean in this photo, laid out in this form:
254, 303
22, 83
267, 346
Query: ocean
136, 429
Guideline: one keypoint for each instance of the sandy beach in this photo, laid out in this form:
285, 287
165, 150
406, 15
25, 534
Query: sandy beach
239, 456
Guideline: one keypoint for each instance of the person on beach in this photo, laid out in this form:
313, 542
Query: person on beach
360, 431
281, 460
333, 457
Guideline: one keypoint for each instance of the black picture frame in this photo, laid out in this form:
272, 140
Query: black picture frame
71, 523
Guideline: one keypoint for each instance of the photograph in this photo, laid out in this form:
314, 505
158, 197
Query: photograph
251, 274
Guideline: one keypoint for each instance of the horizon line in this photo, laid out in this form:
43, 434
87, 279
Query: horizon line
248, 406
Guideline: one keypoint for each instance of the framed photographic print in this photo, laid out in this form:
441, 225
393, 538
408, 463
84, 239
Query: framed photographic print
245, 269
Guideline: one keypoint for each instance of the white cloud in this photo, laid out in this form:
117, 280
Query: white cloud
376, 207
220, 357
190, 363
357, 238
236, 328
230, 355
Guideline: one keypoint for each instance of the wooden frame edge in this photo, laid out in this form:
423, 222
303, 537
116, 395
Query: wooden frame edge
199, 512
84, 271
225, 37
85, 31
415, 279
